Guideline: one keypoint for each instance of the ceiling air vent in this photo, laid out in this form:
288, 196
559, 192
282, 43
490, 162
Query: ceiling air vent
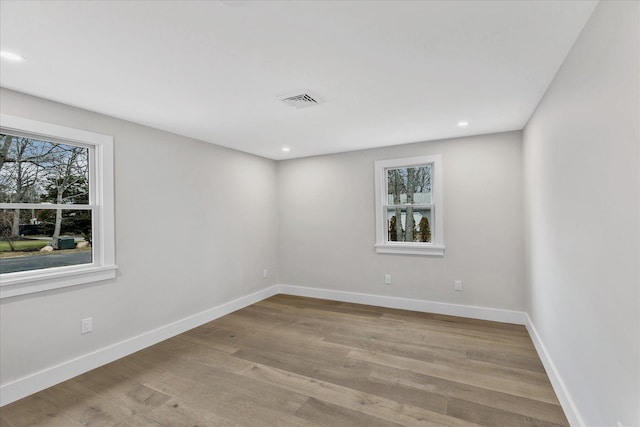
302, 100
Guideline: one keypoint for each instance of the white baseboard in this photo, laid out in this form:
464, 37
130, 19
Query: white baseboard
474, 312
22, 387
569, 407
25, 386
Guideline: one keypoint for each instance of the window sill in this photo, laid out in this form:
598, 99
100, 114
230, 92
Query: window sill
430, 250
23, 283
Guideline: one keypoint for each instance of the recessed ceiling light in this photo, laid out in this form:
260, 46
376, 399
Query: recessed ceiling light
10, 56
463, 124
286, 149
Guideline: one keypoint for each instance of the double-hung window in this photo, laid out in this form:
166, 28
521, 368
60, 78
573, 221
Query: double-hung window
56, 206
409, 217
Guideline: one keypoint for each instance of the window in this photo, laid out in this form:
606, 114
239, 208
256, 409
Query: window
409, 206
56, 207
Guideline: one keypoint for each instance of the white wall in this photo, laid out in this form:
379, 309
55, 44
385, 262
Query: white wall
582, 196
327, 225
195, 226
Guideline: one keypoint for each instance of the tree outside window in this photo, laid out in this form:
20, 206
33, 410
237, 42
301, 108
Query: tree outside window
409, 217
45, 192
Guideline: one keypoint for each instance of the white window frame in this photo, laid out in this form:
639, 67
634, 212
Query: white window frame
103, 266
383, 245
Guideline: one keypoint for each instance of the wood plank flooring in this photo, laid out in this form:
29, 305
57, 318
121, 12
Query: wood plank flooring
292, 361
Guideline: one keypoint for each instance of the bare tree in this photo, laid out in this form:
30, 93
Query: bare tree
69, 172
423, 179
6, 221
21, 162
407, 182
396, 187
410, 224
24, 176
5, 140
28, 165
418, 181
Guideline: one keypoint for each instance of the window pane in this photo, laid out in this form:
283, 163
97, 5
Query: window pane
34, 171
409, 225
409, 185
33, 239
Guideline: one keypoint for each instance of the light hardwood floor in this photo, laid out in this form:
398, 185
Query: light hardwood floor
291, 361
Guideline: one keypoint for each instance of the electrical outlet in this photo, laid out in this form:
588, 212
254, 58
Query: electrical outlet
387, 279
265, 273
87, 325
458, 285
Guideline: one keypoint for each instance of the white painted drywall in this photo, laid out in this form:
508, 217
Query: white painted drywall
582, 207
327, 228
196, 224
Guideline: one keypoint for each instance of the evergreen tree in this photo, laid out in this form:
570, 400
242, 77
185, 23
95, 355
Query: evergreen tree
393, 231
425, 230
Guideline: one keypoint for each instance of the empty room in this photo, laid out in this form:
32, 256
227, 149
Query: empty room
319, 213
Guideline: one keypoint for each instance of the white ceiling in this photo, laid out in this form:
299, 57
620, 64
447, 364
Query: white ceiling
389, 72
